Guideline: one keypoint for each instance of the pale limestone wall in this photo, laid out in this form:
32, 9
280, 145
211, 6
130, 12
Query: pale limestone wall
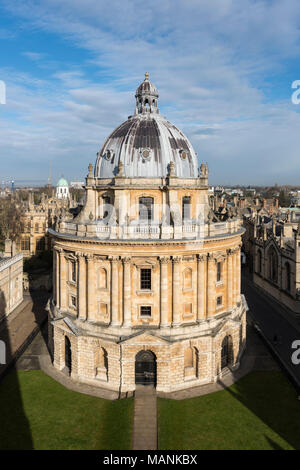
97, 288
278, 289
172, 373
35, 225
11, 284
183, 302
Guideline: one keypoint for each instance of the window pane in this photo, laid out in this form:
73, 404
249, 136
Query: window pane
145, 208
186, 204
146, 311
145, 278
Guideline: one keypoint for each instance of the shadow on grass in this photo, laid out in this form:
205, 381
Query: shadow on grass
271, 398
15, 430
259, 412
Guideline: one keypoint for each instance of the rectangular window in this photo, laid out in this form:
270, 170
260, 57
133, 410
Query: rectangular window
145, 311
25, 244
188, 309
73, 301
40, 244
73, 271
102, 309
146, 208
186, 208
146, 279
219, 272
219, 301
106, 206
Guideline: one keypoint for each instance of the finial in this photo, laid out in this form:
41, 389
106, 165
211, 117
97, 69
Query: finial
146, 76
90, 175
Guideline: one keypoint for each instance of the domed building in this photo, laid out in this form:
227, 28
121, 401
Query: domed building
62, 189
147, 276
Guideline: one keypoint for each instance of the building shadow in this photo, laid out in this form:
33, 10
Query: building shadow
269, 394
15, 430
40, 291
281, 413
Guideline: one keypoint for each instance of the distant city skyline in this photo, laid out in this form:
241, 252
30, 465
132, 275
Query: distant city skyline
224, 72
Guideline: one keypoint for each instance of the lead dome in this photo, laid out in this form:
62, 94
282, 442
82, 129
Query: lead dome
147, 143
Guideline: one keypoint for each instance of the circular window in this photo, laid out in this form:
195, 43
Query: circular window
108, 154
183, 154
146, 154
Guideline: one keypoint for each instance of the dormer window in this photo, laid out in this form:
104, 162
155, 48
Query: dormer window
183, 154
146, 154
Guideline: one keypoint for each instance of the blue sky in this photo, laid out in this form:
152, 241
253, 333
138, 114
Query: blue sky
223, 69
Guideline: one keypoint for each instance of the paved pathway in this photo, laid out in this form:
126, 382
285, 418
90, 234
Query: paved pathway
273, 321
20, 325
145, 419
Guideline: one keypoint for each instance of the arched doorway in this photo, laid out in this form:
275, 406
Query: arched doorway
68, 355
226, 352
145, 368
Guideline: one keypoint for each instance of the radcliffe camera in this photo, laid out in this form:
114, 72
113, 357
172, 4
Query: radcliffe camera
149, 229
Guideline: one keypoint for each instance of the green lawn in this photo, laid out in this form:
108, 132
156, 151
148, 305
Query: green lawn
261, 411
36, 412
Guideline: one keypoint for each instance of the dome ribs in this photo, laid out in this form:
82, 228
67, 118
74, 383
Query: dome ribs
147, 129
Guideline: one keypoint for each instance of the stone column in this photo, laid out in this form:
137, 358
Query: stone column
229, 279
238, 275
211, 282
201, 263
54, 277
234, 278
91, 300
58, 278
127, 291
81, 287
177, 305
164, 304
63, 280
114, 291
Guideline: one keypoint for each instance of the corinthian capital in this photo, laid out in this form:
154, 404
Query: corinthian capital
164, 259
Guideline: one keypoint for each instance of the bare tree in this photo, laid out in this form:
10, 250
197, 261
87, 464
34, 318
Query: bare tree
10, 214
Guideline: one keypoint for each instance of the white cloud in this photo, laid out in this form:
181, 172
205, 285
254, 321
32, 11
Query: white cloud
210, 61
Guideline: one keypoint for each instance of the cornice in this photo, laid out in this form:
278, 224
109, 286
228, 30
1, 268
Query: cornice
121, 242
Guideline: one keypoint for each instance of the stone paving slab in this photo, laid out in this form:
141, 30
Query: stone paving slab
145, 419
19, 327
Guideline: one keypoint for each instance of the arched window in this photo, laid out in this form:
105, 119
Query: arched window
287, 276
188, 357
273, 264
102, 278
191, 362
226, 352
187, 278
101, 364
259, 261
68, 355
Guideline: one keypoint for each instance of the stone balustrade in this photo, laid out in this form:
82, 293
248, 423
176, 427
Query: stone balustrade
97, 229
